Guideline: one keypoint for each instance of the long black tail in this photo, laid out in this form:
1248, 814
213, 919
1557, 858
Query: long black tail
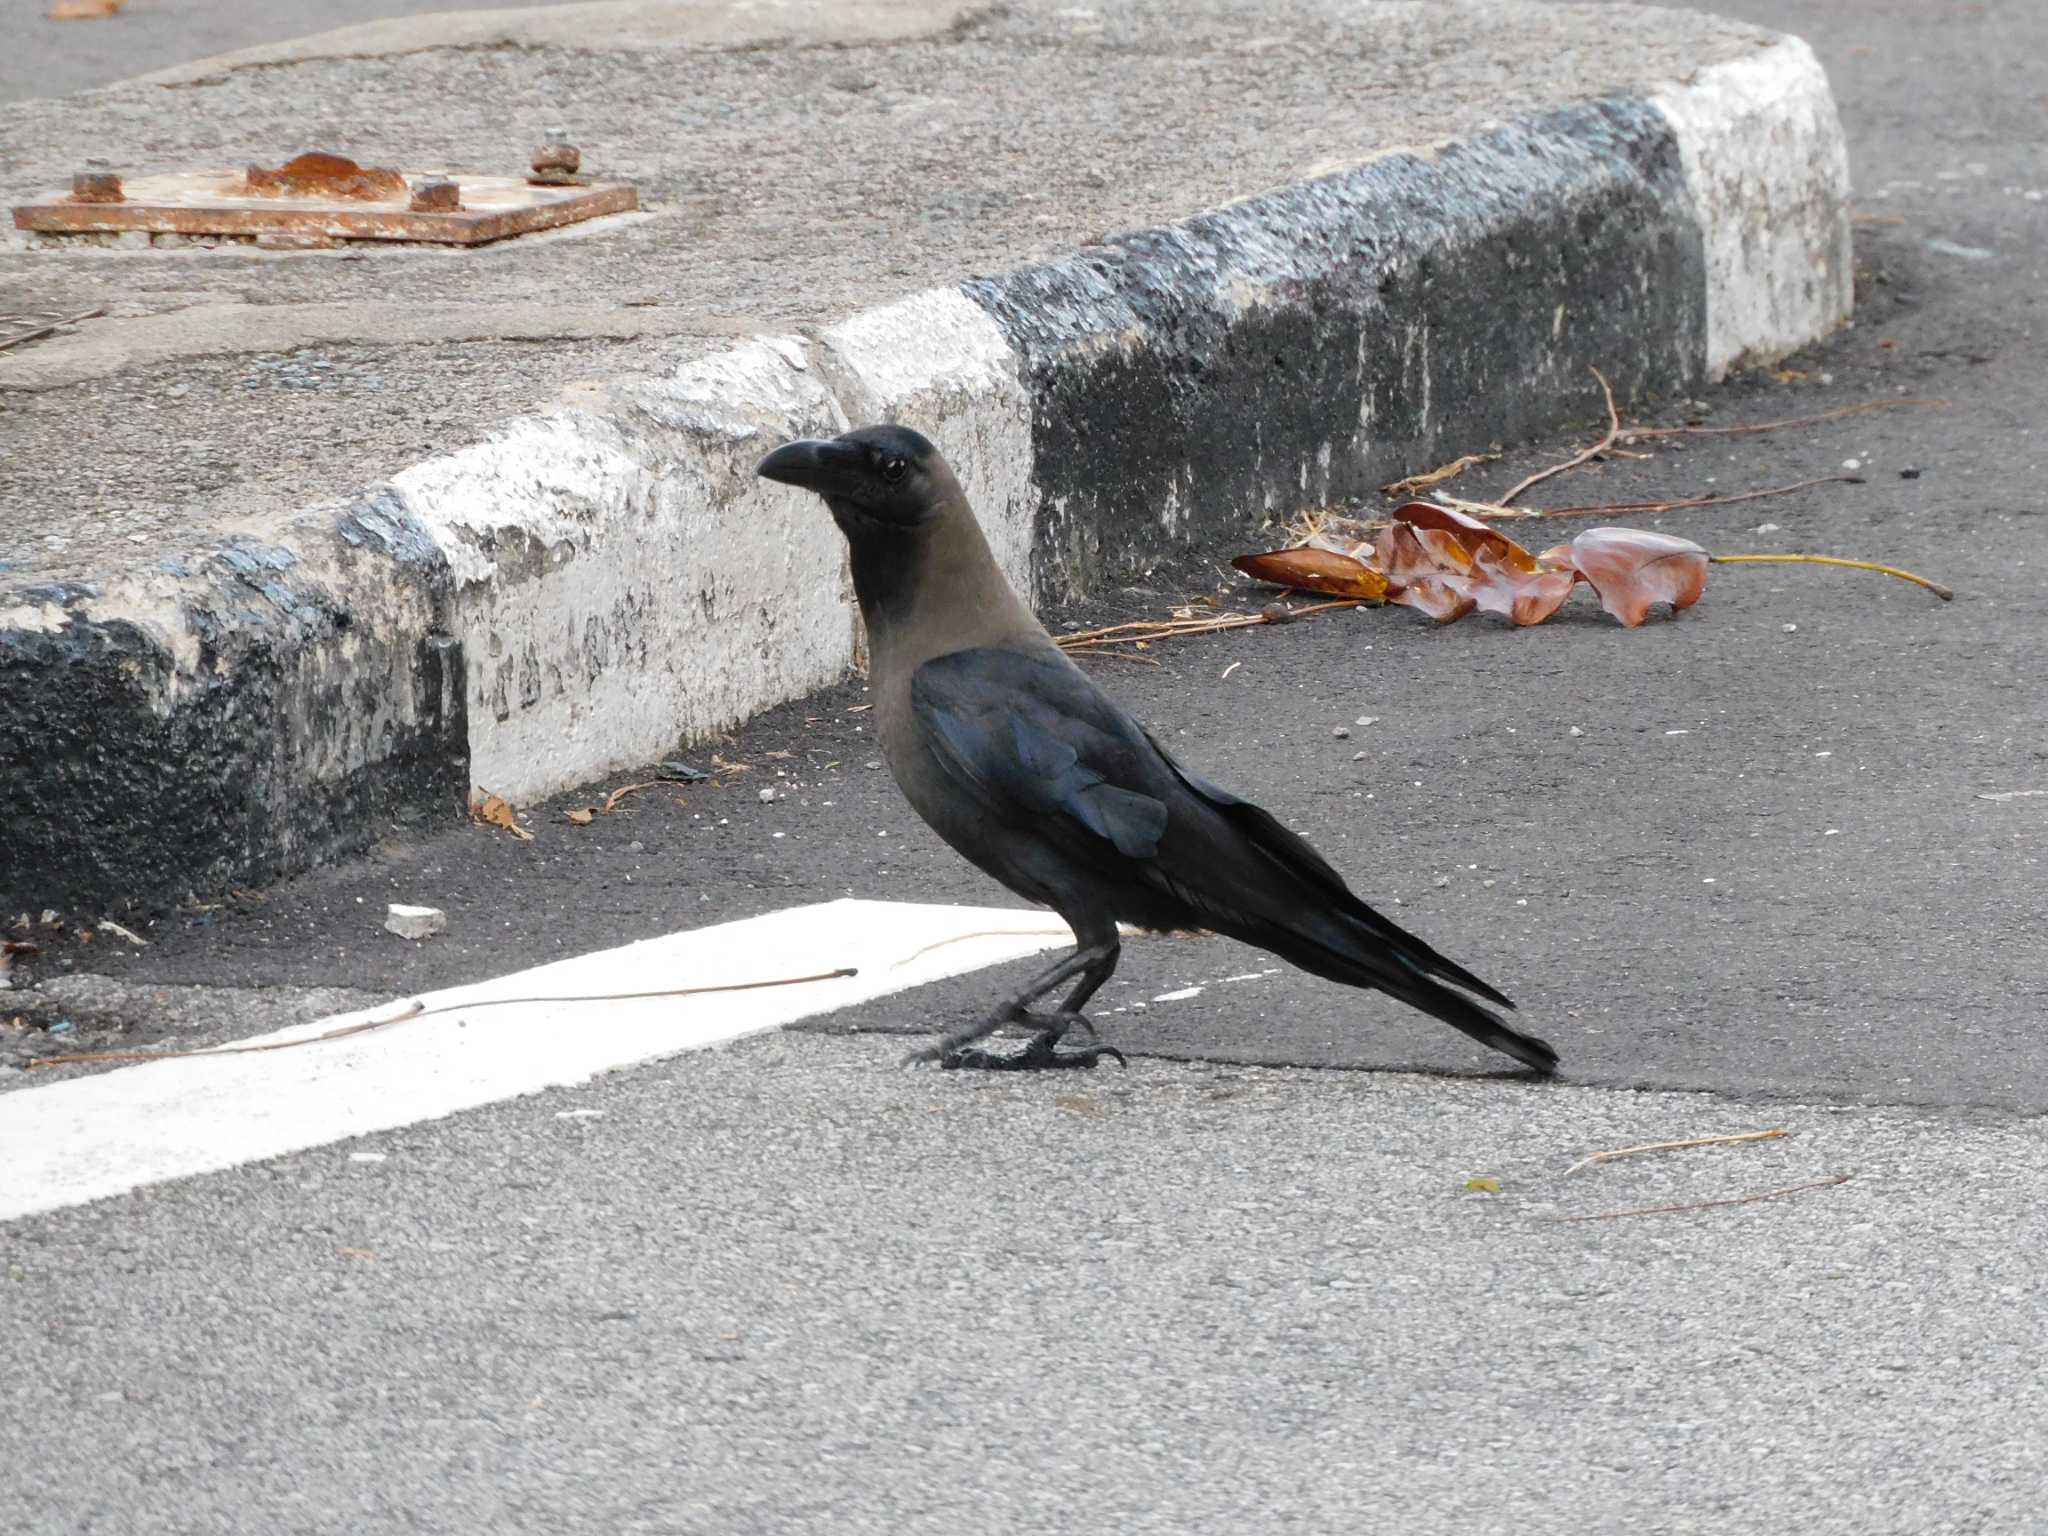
1345, 940
1388, 959
1268, 887
1460, 1012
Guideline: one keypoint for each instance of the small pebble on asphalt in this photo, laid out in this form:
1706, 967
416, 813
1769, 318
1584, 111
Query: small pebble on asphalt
414, 922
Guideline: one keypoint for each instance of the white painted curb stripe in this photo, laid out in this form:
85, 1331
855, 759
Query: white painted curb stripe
92, 1137
678, 594
1768, 166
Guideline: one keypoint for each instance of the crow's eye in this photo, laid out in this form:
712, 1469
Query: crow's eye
894, 470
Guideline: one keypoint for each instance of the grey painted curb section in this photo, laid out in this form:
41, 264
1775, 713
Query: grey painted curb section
588, 587
1310, 344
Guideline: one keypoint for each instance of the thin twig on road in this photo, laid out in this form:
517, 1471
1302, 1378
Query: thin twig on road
1639, 434
1607, 440
416, 1010
1709, 1205
1673, 1146
1495, 512
1101, 642
44, 330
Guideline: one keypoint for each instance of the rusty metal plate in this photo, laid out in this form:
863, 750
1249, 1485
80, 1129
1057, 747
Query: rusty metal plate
490, 208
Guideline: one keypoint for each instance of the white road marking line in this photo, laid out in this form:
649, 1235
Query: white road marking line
1137, 1006
88, 1138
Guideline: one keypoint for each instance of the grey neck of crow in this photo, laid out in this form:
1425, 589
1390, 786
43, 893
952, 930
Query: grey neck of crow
933, 587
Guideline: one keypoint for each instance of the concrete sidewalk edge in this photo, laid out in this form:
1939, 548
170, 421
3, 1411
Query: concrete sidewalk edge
588, 587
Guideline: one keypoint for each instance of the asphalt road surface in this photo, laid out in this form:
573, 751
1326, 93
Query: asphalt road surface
1777, 863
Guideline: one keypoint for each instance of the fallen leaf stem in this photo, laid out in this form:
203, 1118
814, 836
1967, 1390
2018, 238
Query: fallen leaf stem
1947, 595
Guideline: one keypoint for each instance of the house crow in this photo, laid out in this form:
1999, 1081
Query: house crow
1018, 760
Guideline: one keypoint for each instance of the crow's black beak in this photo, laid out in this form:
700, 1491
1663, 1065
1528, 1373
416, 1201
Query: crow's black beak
829, 468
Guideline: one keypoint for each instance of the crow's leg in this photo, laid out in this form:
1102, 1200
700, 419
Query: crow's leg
1093, 976
1052, 1028
1041, 1051
1092, 960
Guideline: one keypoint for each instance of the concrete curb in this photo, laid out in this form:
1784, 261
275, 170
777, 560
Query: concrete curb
588, 587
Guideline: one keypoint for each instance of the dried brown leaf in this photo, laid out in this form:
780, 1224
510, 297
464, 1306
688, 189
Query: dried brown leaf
1400, 555
1424, 569
1466, 535
1633, 568
1444, 562
1517, 595
1334, 530
83, 10
1315, 570
1442, 599
583, 815
491, 810
611, 801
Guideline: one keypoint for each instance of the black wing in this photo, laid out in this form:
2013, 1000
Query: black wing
1038, 742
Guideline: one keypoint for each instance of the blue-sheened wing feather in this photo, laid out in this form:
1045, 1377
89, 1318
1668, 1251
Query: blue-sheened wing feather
1038, 741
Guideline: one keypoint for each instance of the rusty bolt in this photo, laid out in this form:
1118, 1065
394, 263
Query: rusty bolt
436, 195
556, 162
96, 187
